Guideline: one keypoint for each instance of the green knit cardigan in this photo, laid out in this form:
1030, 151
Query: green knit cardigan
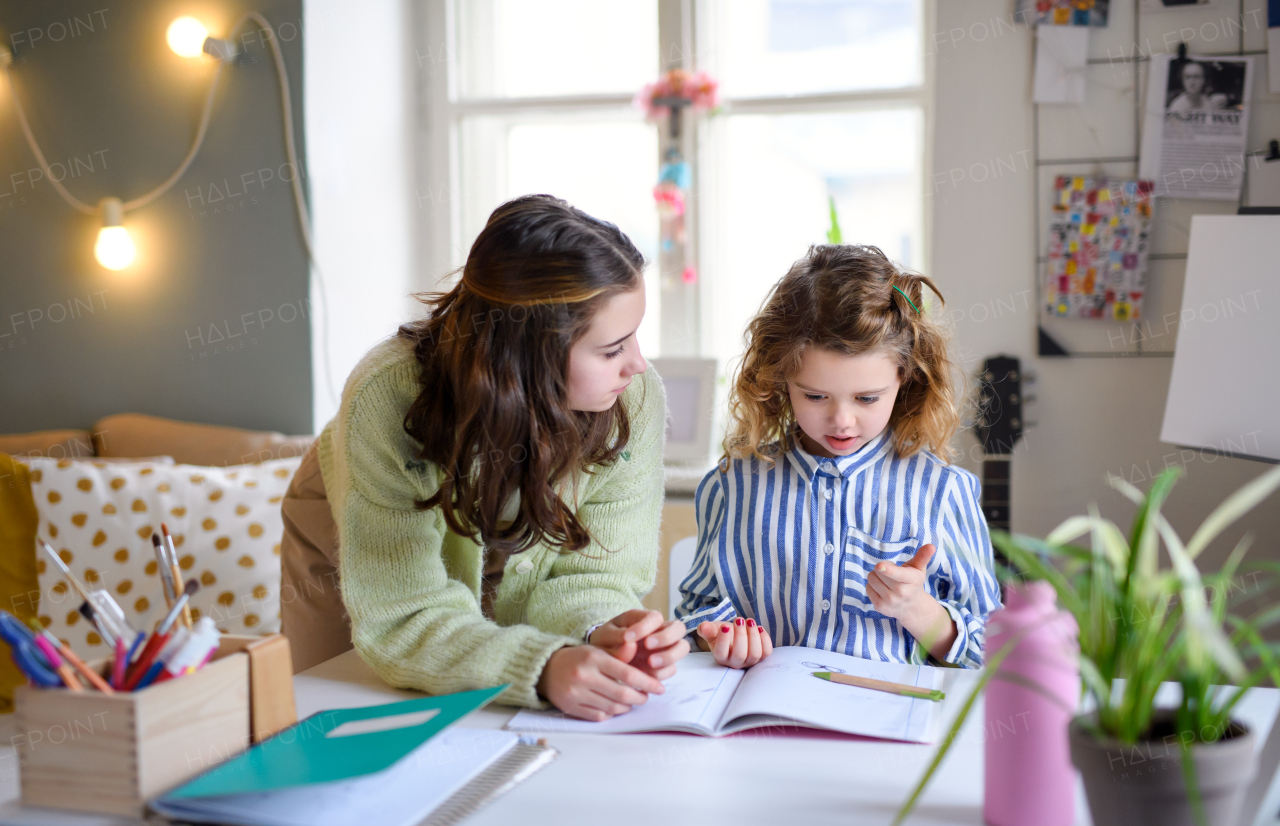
412, 586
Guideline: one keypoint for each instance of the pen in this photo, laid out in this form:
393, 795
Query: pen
70, 656
150, 676
117, 668
63, 670
881, 685
133, 649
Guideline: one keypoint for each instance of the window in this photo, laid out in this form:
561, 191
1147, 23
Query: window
824, 102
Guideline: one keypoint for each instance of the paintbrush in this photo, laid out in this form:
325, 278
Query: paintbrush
177, 573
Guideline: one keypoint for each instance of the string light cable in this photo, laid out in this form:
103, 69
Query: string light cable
111, 210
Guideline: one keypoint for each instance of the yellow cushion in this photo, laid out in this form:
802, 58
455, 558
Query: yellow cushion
19, 591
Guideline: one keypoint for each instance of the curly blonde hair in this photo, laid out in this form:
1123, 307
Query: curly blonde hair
842, 298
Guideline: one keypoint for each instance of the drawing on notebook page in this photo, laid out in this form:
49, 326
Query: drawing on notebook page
821, 667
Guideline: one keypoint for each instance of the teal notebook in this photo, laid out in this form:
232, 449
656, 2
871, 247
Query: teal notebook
335, 745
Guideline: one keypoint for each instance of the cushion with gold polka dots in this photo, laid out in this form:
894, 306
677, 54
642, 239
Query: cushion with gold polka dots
99, 517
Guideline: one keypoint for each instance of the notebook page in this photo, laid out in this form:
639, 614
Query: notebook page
399, 796
783, 685
695, 700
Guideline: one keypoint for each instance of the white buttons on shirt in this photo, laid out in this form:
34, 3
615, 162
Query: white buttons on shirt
524, 567
826, 605
826, 493
829, 548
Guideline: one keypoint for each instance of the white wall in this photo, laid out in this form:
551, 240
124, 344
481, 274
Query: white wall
1095, 416
360, 108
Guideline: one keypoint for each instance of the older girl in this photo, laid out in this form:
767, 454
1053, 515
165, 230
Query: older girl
513, 433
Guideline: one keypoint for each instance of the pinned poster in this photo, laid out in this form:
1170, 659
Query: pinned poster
1063, 12
1195, 125
1062, 53
1097, 256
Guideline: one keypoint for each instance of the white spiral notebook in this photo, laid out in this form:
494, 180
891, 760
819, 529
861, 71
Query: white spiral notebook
709, 699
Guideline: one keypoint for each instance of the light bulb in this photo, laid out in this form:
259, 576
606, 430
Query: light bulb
114, 248
186, 37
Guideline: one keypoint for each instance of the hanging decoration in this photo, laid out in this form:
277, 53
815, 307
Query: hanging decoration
666, 100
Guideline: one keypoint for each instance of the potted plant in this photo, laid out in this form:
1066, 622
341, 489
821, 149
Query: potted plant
1146, 624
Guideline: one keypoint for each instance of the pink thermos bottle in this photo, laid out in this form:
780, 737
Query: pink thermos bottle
1029, 777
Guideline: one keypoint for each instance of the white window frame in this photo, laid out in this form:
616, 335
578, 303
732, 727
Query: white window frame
682, 314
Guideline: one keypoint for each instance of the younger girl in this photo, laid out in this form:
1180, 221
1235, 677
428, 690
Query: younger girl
831, 521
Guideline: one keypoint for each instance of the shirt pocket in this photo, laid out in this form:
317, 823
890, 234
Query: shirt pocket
862, 553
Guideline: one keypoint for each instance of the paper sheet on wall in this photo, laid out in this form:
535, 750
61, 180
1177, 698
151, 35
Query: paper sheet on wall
1097, 256
1062, 52
1195, 125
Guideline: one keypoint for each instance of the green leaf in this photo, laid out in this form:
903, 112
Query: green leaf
1204, 634
1072, 527
833, 234
1143, 538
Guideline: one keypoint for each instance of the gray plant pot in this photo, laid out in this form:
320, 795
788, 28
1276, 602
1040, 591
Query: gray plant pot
1144, 784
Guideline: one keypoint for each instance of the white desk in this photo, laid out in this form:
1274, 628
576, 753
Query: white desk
660, 779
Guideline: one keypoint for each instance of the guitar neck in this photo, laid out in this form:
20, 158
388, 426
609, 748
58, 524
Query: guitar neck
995, 491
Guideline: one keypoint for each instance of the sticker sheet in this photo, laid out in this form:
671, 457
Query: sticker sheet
1097, 257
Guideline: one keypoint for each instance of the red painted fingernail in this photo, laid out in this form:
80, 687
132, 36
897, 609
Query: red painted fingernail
751, 623
724, 629
738, 621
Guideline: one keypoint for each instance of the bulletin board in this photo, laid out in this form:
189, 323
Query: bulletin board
1101, 138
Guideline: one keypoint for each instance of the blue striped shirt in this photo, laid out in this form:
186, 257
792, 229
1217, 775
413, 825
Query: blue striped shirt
790, 546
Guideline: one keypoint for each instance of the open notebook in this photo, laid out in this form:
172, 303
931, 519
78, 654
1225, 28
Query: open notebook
705, 698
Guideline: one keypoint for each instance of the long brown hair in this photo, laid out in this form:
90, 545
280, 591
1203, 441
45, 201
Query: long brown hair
494, 355
843, 298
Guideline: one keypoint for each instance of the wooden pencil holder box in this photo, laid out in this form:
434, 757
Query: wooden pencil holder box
91, 752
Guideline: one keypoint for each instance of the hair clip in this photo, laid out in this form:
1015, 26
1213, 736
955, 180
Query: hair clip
908, 298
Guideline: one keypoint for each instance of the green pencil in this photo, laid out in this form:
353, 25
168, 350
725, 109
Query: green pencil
880, 685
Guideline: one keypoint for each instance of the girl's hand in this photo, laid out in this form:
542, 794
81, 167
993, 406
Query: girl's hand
585, 681
737, 644
642, 639
898, 591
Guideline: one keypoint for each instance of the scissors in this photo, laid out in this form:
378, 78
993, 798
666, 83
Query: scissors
26, 654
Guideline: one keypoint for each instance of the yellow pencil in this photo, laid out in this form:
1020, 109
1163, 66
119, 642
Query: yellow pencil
882, 685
